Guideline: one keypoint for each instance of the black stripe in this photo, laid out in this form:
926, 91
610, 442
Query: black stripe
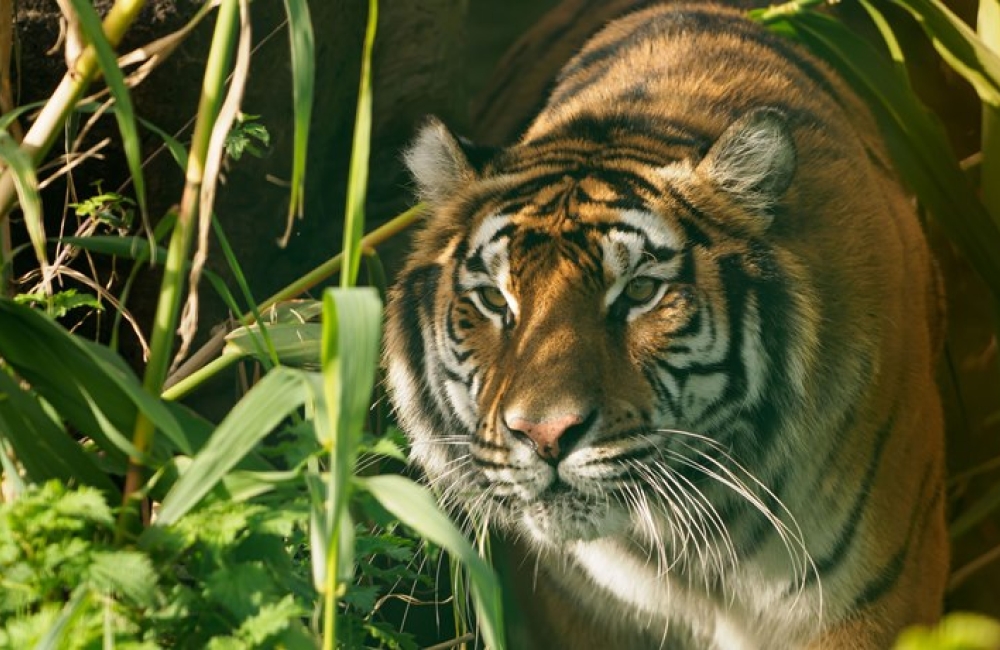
610, 129
688, 20
888, 575
416, 294
849, 529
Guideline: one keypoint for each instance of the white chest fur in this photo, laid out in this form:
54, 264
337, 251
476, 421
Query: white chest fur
753, 613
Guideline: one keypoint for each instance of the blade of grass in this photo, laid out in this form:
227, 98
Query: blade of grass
55, 636
357, 178
352, 327
85, 382
303, 60
168, 303
21, 168
989, 31
222, 126
959, 46
415, 506
42, 444
917, 143
197, 362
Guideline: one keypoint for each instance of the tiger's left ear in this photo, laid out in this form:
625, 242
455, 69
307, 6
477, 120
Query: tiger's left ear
754, 159
441, 163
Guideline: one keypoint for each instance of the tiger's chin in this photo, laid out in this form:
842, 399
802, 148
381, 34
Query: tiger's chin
562, 517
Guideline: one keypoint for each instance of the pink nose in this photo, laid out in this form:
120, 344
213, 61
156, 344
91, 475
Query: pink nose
544, 435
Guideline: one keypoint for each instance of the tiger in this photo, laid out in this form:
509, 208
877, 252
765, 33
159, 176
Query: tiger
676, 347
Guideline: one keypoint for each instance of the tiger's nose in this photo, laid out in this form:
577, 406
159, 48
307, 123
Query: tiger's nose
552, 438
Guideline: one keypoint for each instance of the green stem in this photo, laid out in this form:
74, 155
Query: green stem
183, 387
322, 272
989, 31
48, 125
776, 12
328, 268
168, 304
330, 594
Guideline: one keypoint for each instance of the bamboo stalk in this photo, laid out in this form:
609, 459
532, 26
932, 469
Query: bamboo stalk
174, 274
48, 125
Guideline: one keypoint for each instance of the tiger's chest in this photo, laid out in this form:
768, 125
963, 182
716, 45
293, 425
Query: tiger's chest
750, 610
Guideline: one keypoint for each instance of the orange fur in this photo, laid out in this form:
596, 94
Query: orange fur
751, 454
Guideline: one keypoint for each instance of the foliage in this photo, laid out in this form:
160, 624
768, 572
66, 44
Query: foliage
237, 527
957, 631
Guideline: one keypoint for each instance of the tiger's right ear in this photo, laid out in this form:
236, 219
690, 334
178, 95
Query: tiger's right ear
441, 163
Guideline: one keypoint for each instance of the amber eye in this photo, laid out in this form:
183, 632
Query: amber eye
493, 299
642, 289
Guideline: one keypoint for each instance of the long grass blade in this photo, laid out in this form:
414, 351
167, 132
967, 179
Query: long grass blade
917, 143
989, 32
303, 59
964, 51
357, 179
20, 165
85, 382
352, 326
42, 444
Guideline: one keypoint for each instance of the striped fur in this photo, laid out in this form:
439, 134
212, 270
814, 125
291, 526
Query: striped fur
677, 344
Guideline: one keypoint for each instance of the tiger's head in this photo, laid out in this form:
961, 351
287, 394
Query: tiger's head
577, 344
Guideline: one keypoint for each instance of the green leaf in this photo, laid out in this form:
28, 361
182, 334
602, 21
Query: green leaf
293, 344
959, 46
127, 574
26, 184
414, 505
271, 620
916, 141
956, 631
55, 637
132, 248
357, 178
989, 29
303, 60
86, 383
90, 24
41, 443
352, 327
60, 303
279, 394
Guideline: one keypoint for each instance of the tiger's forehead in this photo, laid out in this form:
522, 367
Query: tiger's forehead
617, 241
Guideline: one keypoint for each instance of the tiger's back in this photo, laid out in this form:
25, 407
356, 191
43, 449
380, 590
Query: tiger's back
678, 343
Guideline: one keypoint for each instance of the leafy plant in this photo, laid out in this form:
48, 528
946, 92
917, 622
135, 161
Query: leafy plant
236, 526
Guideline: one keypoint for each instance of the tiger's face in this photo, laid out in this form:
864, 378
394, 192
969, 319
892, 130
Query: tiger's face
579, 354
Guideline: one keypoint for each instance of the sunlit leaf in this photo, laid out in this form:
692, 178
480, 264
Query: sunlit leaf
357, 178
26, 183
303, 63
959, 46
916, 140
279, 394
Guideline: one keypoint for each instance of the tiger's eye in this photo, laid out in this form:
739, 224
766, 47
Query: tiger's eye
493, 299
642, 289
